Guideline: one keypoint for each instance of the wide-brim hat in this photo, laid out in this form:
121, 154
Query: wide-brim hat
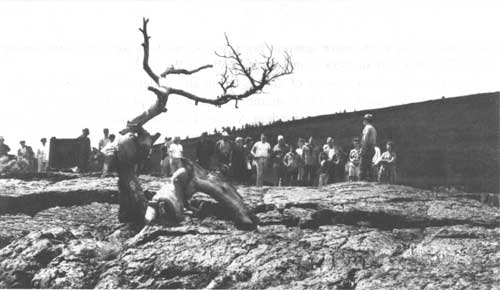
368, 117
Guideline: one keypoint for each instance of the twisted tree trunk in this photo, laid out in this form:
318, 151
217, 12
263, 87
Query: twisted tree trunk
136, 144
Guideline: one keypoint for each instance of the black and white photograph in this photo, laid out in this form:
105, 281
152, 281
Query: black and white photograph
280, 144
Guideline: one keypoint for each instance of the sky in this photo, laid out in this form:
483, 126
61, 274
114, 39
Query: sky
66, 66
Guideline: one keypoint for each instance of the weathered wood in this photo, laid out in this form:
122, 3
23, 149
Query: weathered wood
132, 149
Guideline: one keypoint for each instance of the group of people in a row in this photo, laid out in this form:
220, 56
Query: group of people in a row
26, 159
305, 164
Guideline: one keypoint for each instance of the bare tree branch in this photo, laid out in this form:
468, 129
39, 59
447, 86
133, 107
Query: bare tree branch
172, 70
270, 69
220, 100
145, 45
238, 66
224, 83
157, 108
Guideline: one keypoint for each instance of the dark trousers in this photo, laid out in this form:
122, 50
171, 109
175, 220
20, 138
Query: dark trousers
279, 172
331, 172
365, 167
291, 176
309, 175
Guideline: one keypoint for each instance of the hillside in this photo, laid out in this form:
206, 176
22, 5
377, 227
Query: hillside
445, 142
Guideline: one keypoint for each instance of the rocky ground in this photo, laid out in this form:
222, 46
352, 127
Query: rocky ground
61, 231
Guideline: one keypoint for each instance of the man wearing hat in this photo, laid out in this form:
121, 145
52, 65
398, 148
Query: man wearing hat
368, 142
42, 156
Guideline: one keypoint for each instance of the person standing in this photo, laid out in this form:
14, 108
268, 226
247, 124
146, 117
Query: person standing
317, 149
291, 162
334, 155
223, 150
109, 151
238, 160
104, 141
26, 153
249, 159
309, 162
387, 172
324, 169
261, 151
368, 142
204, 150
300, 171
4, 149
83, 150
165, 157
175, 151
376, 161
354, 160
279, 152
42, 156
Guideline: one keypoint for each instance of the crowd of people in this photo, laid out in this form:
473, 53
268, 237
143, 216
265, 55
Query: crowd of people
26, 160
306, 163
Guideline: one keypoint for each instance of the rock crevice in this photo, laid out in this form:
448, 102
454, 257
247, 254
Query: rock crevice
345, 236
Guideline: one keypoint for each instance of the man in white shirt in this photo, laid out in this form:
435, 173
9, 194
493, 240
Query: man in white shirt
261, 151
368, 142
42, 156
109, 151
104, 141
175, 152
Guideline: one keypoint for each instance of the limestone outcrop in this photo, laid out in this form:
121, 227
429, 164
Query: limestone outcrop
345, 236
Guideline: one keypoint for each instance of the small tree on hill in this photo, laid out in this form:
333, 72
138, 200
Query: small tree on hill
137, 143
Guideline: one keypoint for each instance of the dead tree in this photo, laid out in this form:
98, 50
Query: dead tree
137, 142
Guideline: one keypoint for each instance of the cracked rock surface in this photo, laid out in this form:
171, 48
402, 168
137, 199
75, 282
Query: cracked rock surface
344, 236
